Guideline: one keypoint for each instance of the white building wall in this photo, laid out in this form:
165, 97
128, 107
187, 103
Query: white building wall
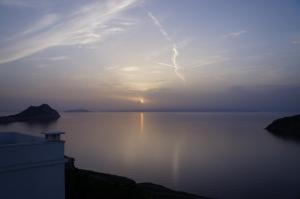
33, 170
46, 182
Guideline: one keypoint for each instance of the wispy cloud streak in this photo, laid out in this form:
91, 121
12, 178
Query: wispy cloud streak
174, 47
296, 42
56, 58
44, 22
91, 23
233, 35
174, 61
18, 3
158, 24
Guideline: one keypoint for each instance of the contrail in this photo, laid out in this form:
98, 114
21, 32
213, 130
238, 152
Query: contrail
175, 54
158, 24
174, 47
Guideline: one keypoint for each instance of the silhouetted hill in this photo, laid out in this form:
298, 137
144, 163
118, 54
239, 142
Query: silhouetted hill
84, 184
286, 127
40, 113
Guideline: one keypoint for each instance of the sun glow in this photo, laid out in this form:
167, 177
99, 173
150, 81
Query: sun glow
141, 100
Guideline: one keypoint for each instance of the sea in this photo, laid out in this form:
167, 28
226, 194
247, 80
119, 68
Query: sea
220, 155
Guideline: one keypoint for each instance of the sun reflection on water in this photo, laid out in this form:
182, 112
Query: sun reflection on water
141, 122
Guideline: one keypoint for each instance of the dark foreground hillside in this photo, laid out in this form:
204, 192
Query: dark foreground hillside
83, 184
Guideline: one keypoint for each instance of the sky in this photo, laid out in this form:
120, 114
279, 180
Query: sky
205, 55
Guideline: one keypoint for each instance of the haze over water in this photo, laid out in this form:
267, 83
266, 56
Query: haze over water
222, 155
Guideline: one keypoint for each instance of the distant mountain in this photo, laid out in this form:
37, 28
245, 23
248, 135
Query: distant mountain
286, 127
42, 113
78, 111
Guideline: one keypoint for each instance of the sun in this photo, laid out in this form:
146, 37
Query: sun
141, 100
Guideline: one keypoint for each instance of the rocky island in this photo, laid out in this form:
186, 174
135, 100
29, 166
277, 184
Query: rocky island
42, 113
84, 184
286, 127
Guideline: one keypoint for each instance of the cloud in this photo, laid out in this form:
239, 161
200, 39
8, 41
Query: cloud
59, 58
296, 42
18, 3
158, 24
210, 60
88, 24
233, 35
24, 3
166, 49
165, 64
46, 21
56, 58
130, 69
174, 46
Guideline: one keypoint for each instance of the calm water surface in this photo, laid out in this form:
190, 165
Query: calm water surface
222, 155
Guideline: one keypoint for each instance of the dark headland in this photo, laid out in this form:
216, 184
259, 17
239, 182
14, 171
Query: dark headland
42, 113
84, 184
288, 127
